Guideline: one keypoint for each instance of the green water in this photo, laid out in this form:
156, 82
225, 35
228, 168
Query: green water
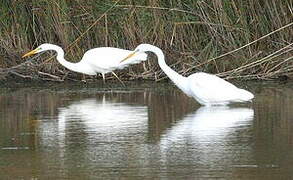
152, 130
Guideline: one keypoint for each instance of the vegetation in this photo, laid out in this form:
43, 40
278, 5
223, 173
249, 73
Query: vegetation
234, 39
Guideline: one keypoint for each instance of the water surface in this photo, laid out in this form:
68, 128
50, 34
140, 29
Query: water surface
151, 130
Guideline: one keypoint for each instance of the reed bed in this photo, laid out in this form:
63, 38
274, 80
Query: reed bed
234, 39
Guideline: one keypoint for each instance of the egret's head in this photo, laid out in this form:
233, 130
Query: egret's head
41, 48
142, 48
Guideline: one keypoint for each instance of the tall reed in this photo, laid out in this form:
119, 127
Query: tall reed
194, 34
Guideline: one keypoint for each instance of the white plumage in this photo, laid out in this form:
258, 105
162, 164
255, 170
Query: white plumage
206, 88
107, 59
209, 89
98, 60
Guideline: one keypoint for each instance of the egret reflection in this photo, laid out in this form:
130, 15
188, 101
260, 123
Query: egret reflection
102, 119
207, 133
95, 131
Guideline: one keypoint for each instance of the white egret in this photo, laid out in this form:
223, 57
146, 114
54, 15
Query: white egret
98, 60
206, 88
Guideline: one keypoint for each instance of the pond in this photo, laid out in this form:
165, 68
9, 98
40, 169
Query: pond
144, 130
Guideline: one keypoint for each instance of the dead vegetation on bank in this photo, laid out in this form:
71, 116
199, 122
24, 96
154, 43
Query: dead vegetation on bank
234, 39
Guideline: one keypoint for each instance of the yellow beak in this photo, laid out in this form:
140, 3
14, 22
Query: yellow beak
127, 57
30, 53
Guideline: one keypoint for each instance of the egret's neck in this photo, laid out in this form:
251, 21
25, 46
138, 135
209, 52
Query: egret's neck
60, 57
178, 79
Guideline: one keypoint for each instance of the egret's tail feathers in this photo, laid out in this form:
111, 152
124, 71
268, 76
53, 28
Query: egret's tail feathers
245, 95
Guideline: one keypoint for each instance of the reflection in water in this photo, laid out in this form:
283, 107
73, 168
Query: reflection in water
204, 136
94, 133
106, 118
210, 122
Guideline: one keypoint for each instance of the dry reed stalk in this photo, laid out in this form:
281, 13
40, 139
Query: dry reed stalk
195, 35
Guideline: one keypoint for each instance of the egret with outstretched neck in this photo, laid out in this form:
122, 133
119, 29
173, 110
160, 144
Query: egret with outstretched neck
98, 60
207, 89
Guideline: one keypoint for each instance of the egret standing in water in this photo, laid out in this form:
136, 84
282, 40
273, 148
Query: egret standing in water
98, 60
206, 88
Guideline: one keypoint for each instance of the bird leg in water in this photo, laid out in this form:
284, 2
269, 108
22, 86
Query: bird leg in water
118, 78
103, 75
83, 79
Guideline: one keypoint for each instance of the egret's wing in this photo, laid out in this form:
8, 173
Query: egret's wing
109, 58
211, 88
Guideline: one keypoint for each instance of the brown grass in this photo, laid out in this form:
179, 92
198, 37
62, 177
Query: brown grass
234, 39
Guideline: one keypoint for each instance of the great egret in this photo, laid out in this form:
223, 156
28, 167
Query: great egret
98, 60
206, 88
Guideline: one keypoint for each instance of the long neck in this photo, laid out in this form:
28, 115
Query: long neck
63, 62
178, 79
